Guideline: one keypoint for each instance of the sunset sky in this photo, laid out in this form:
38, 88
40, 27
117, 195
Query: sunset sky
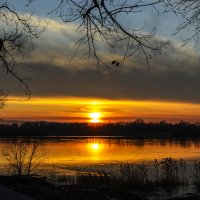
63, 91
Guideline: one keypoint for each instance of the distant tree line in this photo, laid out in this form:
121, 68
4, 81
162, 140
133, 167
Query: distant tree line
136, 129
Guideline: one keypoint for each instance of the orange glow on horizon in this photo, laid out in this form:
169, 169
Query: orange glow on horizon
96, 110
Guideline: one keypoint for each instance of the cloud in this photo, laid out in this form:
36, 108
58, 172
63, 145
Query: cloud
50, 80
173, 75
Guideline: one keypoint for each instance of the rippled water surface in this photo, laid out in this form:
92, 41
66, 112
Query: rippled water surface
67, 155
87, 151
109, 150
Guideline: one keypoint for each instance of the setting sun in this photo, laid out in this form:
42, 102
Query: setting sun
95, 117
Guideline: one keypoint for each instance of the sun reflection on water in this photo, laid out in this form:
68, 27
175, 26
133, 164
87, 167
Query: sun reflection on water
95, 147
97, 150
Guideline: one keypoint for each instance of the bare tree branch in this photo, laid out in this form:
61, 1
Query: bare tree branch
23, 157
99, 21
2, 99
16, 36
189, 10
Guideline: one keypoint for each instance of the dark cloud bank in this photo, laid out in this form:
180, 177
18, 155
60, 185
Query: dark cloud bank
173, 76
135, 83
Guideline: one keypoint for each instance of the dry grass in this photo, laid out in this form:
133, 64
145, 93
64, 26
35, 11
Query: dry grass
167, 173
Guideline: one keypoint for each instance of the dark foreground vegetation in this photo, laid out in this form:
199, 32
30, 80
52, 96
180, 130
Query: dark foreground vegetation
129, 181
40, 189
168, 176
135, 129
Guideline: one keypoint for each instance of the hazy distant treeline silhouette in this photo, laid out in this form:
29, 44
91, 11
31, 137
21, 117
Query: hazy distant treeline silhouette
135, 129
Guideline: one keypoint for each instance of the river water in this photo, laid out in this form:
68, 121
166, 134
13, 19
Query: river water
82, 152
64, 156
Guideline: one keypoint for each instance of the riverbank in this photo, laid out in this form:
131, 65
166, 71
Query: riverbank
39, 188
8, 194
